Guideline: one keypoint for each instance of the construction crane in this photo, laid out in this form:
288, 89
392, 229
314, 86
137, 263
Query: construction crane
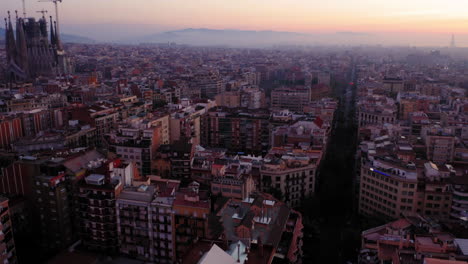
24, 8
43, 12
56, 12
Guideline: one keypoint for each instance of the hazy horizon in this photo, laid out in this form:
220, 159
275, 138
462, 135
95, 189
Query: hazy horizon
415, 23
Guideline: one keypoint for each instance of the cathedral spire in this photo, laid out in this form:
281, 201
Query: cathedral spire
10, 40
53, 41
57, 37
6, 39
22, 48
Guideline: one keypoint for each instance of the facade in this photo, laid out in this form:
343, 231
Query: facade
185, 125
440, 146
191, 208
393, 85
136, 145
228, 99
290, 174
146, 221
53, 208
173, 161
289, 98
134, 222
97, 216
374, 110
7, 243
459, 210
387, 188
10, 131
303, 132
34, 51
209, 83
237, 129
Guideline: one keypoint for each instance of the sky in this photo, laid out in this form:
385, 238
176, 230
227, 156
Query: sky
424, 17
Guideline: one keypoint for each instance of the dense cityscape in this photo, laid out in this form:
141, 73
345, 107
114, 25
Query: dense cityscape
173, 153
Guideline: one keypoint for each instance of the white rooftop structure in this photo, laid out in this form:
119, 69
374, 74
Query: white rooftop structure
216, 256
463, 245
95, 179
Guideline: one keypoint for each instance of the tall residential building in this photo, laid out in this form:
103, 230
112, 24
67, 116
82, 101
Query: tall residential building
237, 129
53, 208
250, 97
97, 216
393, 85
440, 144
210, 84
191, 208
289, 98
185, 124
145, 221
134, 222
290, 174
173, 161
7, 243
434, 195
137, 145
10, 131
387, 187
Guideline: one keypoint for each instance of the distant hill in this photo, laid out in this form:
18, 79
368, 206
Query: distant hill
67, 38
229, 37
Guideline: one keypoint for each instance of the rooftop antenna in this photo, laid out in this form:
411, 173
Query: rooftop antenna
24, 8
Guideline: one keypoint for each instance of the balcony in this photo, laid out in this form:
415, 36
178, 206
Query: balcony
461, 194
458, 208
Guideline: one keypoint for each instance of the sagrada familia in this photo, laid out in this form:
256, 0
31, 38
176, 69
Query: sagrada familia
32, 51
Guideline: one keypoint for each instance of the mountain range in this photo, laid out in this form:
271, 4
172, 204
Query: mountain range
205, 36
232, 37
222, 37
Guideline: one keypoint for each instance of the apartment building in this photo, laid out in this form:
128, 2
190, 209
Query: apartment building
459, 208
137, 144
440, 144
237, 129
293, 99
388, 187
290, 174
7, 243
145, 221
373, 110
53, 208
134, 222
97, 216
191, 208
